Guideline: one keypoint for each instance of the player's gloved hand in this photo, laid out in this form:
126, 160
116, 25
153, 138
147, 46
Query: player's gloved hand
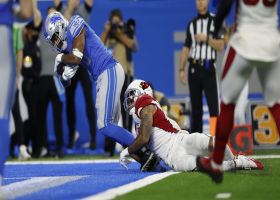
125, 158
57, 61
69, 72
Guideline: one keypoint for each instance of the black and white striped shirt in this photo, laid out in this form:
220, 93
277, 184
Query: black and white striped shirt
201, 50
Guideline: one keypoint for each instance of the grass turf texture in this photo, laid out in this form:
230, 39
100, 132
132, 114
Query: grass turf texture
243, 184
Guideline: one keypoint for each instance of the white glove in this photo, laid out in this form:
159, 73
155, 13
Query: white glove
57, 61
125, 158
69, 72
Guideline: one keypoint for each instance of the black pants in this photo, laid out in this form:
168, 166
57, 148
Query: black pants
18, 137
201, 80
30, 87
127, 119
82, 76
48, 93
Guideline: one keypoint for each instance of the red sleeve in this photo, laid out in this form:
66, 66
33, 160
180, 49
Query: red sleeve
142, 102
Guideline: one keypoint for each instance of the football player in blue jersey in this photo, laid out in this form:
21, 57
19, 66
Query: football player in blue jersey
8, 70
79, 45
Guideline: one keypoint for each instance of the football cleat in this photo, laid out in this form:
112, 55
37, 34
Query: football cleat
204, 165
244, 162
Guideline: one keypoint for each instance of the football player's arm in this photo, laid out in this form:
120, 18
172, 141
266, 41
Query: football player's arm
145, 130
75, 57
222, 12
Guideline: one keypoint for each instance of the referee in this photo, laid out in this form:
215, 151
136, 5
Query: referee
200, 49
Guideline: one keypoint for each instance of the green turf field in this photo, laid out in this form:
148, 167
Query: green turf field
246, 184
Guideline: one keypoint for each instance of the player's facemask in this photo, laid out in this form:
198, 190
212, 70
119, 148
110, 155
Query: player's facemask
130, 98
58, 43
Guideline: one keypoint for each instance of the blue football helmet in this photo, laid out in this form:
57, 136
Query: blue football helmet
55, 31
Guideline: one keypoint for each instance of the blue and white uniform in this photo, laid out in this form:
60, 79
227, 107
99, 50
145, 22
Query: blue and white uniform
7, 76
108, 75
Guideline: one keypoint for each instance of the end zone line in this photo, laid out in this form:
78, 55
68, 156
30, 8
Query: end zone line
62, 162
105, 161
121, 190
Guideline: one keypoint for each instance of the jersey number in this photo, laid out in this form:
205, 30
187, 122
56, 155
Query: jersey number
267, 3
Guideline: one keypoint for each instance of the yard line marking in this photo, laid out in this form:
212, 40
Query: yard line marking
121, 190
62, 162
224, 195
265, 156
15, 190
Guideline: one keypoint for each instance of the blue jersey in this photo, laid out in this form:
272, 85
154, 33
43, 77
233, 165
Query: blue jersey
6, 12
96, 58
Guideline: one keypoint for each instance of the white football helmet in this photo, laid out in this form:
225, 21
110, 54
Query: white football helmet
55, 31
135, 89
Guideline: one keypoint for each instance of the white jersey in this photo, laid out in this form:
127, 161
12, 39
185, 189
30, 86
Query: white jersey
257, 36
164, 129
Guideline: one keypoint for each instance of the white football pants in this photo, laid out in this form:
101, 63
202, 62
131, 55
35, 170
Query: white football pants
237, 71
185, 149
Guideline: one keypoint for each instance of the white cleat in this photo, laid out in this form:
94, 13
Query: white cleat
244, 162
23, 154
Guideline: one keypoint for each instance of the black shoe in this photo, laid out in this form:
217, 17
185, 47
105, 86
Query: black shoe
92, 145
60, 153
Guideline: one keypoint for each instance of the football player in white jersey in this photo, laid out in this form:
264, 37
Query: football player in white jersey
176, 147
254, 44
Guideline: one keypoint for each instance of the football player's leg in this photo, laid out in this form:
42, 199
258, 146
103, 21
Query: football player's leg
7, 86
109, 86
269, 77
197, 144
235, 74
241, 105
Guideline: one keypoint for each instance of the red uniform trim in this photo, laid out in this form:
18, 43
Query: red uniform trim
229, 60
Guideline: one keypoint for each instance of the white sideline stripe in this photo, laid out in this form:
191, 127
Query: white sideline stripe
104, 161
62, 162
36, 184
112, 193
265, 156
